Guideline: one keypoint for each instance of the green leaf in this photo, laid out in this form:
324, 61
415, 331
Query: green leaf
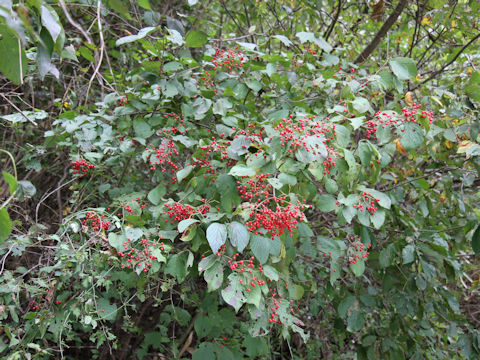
242, 170
358, 268
254, 296
14, 65
345, 305
11, 181
156, 194
255, 85
196, 38
105, 310
408, 254
203, 325
362, 105
239, 235
233, 294
177, 266
271, 273
131, 38
403, 68
216, 236
119, 7
472, 89
50, 23
144, 4
476, 241
185, 224
214, 277
5, 225
378, 218
206, 351
286, 41
305, 36
182, 174
227, 188
412, 136
326, 203
260, 247
355, 321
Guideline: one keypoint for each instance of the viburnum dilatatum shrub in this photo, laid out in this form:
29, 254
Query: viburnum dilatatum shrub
258, 193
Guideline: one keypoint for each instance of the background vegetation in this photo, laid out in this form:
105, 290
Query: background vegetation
239, 180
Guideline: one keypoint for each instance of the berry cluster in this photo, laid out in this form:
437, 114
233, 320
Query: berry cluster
123, 100
82, 167
161, 156
275, 214
140, 259
224, 60
95, 222
179, 212
356, 250
367, 202
385, 119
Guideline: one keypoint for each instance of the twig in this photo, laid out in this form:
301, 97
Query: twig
50, 193
18, 109
334, 21
439, 71
102, 47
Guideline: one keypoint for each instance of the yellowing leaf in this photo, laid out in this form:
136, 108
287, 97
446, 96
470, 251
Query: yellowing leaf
437, 100
454, 24
448, 144
426, 20
400, 147
409, 98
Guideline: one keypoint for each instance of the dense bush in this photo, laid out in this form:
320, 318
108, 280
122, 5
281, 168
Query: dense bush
213, 190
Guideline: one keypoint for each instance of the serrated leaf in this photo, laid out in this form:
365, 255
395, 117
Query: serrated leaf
216, 236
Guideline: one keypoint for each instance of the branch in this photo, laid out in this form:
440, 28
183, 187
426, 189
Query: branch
382, 32
439, 71
334, 21
18, 109
102, 47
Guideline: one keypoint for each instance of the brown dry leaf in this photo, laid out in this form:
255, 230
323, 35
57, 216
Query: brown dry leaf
378, 10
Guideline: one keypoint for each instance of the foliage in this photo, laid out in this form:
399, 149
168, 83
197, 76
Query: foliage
239, 188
